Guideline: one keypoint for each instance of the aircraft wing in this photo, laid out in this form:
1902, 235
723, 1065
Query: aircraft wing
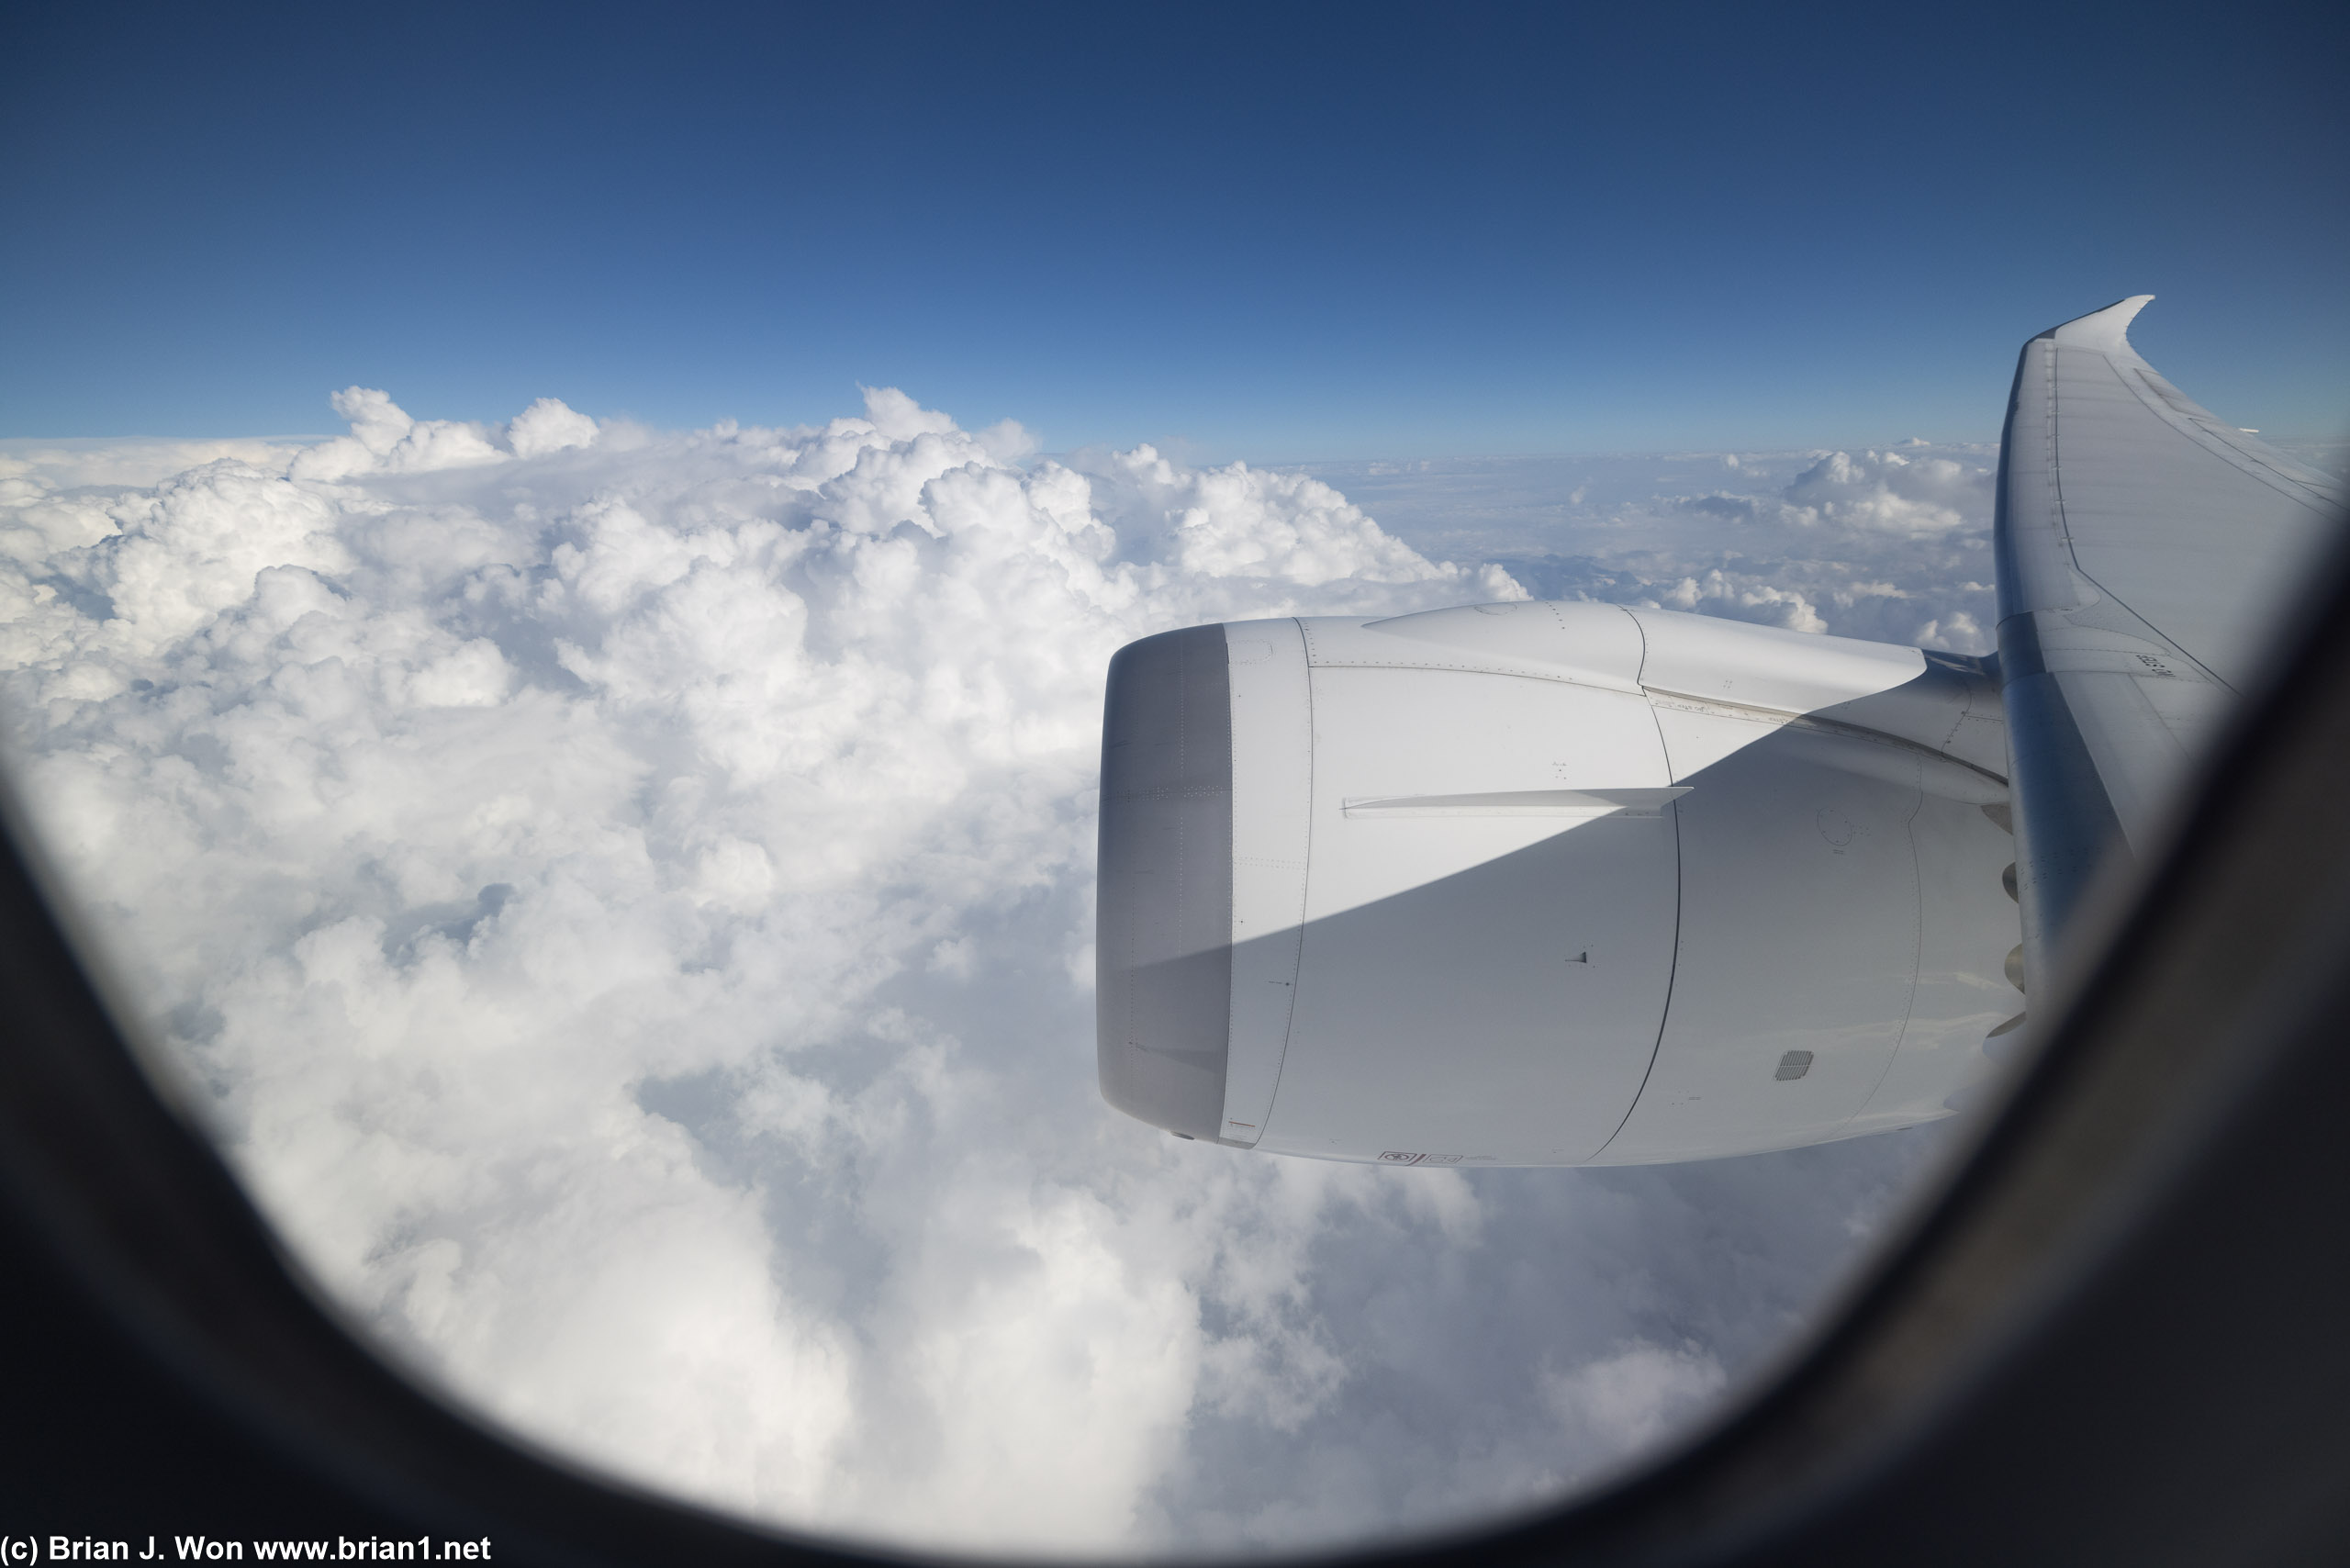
2146, 552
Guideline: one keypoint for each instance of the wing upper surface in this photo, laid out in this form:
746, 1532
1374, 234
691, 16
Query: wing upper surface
2146, 549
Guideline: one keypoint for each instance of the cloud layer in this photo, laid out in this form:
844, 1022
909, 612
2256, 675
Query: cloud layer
1891, 544
624, 898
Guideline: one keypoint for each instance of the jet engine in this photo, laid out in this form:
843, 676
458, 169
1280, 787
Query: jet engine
1548, 884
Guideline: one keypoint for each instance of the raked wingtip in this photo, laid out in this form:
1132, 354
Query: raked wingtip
2107, 331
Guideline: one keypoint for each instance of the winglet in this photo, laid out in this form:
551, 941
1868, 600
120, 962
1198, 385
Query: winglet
2107, 331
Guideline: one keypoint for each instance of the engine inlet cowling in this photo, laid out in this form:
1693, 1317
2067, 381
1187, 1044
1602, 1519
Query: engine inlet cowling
1163, 932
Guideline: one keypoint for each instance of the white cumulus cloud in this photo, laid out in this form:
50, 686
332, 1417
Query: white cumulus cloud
625, 900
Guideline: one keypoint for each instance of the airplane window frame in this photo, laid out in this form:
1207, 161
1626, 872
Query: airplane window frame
2104, 1337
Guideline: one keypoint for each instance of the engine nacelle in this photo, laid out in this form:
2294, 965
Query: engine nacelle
1547, 884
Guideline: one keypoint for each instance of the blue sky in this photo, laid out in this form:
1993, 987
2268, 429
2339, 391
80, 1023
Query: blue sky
1282, 233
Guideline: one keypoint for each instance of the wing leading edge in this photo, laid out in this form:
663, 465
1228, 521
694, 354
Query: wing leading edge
2144, 551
